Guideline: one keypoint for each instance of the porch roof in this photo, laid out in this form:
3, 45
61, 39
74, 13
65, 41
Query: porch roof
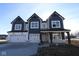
16, 31
55, 30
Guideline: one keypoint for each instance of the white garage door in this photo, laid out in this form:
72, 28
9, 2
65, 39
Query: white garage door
34, 38
18, 37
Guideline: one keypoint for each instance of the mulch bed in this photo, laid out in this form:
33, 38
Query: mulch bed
58, 50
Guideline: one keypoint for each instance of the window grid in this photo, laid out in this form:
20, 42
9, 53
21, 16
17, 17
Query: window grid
34, 24
55, 24
18, 26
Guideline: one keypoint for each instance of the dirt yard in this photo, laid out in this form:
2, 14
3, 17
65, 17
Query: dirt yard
3, 41
74, 42
61, 49
58, 50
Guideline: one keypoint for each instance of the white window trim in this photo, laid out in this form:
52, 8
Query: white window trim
32, 24
17, 28
56, 26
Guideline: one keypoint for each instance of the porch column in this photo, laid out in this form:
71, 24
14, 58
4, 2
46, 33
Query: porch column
50, 38
41, 38
62, 34
68, 35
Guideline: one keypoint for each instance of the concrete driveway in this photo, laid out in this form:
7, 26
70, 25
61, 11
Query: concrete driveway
18, 49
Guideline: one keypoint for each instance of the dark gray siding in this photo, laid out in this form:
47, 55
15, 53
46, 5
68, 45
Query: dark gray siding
18, 20
55, 17
34, 30
34, 18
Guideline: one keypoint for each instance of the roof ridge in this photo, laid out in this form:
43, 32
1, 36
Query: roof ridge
57, 14
16, 19
34, 14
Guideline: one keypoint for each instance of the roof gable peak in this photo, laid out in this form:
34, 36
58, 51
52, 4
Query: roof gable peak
56, 13
17, 18
34, 15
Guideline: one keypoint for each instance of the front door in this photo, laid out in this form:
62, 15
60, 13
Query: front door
45, 37
55, 37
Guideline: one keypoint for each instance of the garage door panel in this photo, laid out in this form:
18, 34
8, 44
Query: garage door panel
18, 37
34, 37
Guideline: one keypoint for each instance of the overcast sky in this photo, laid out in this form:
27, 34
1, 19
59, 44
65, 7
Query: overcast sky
8, 12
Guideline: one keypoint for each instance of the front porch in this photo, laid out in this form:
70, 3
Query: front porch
54, 36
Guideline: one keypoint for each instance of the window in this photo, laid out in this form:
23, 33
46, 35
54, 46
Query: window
34, 25
18, 26
55, 24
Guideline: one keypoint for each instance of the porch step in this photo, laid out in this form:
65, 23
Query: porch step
58, 41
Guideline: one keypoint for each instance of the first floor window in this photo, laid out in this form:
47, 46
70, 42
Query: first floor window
18, 26
34, 25
55, 24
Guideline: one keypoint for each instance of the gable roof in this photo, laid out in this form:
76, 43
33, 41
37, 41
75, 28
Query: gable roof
34, 16
55, 13
17, 18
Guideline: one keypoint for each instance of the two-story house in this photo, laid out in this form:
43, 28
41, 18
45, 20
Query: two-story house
38, 31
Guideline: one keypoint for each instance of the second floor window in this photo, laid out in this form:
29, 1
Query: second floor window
55, 24
18, 26
34, 25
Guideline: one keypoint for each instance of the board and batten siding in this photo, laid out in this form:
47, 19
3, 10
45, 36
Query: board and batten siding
26, 27
17, 37
44, 25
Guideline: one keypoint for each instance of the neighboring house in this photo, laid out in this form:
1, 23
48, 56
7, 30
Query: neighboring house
3, 37
38, 31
